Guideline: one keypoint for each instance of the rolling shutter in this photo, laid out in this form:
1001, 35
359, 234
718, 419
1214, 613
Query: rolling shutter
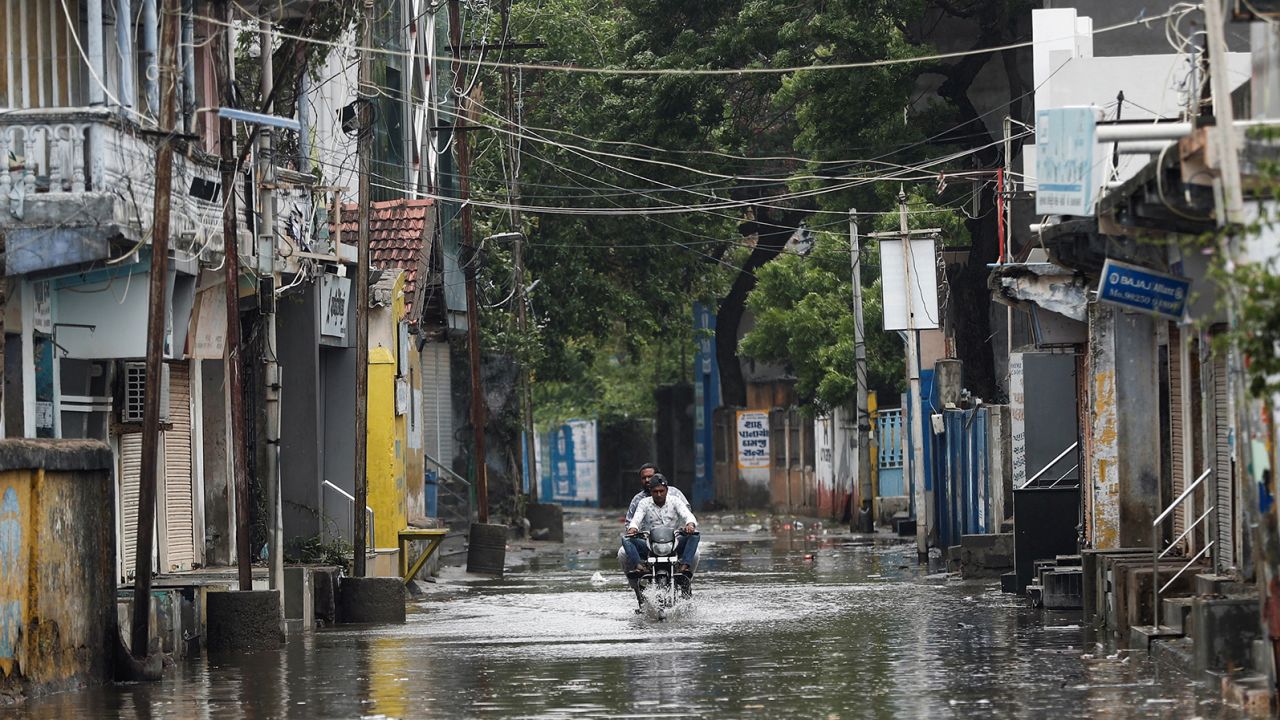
1224, 497
178, 509
130, 472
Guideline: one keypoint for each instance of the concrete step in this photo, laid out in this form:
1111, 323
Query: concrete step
1140, 636
1068, 561
1210, 584
1174, 611
1036, 594
1223, 630
1009, 583
1063, 588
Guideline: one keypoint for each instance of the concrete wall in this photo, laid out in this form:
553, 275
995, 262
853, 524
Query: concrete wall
57, 566
219, 548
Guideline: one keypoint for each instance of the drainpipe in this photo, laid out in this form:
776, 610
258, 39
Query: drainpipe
124, 48
97, 76
150, 80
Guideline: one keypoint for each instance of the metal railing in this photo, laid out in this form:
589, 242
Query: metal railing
1157, 553
1053, 462
352, 502
466, 492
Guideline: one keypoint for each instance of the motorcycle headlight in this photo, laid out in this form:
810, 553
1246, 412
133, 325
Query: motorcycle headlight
664, 548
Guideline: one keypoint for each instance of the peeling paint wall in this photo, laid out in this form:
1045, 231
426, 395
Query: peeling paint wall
1104, 447
1124, 448
57, 566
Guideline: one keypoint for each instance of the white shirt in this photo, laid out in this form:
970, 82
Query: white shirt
674, 513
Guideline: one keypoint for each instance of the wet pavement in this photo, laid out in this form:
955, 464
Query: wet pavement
785, 622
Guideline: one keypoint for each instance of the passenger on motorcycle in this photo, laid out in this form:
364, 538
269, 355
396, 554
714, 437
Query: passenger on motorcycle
661, 509
647, 471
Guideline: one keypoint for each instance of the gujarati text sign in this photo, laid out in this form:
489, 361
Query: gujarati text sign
753, 439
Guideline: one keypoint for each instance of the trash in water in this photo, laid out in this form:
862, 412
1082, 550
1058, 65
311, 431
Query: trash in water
599, 579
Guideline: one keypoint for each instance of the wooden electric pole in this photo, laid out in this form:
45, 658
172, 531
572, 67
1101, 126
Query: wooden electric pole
141, 631
232, 360
522, 320
364, 118
470, 260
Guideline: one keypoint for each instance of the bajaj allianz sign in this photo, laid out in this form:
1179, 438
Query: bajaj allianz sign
1138, 288
1067, 178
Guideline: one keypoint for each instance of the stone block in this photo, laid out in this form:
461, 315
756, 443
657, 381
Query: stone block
546, 521
243, 621
299, 597
324, 595
371, 600
1138, 589
1223, 630
1173, 612
1210, 584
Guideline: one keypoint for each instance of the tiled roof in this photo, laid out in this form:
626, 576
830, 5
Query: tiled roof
395, 235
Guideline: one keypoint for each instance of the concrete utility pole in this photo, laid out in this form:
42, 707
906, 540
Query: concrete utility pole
141, 629
860, 487
271, 367
365, 151
231, 344
913, 389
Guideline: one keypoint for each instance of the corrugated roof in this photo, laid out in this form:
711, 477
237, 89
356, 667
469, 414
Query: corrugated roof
396, 230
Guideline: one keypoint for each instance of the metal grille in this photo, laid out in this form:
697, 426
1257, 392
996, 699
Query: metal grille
135, 392
130, 470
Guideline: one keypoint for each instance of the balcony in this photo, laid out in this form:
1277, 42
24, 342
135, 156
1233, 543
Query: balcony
80, 184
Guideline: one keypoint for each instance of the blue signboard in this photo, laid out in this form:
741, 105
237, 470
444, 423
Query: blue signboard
1138, 288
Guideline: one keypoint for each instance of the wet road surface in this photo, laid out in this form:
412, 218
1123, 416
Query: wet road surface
784, 623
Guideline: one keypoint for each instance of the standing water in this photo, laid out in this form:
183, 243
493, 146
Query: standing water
784, 623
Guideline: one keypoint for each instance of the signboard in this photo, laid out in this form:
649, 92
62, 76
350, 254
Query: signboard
1138, 288
334, 291
753, 439
916, 273
568, 461
42, 315
1018, 419
211, 324
1065, 170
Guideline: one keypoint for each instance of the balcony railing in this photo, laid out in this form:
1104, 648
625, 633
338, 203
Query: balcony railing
63, 153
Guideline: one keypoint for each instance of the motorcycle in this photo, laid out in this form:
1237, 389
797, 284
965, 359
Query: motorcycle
663, 586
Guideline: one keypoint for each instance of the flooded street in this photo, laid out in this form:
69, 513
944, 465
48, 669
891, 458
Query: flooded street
788, 623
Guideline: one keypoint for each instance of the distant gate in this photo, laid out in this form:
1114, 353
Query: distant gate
890, 452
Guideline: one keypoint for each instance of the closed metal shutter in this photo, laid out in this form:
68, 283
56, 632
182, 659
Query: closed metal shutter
180, 548
130, 473
1177, 464
1224, 497
437, 403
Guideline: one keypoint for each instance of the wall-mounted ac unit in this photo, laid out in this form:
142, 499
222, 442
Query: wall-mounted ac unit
133, 408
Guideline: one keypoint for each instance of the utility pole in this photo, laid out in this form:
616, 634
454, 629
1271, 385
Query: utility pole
141, 630
913, 389
522, 320
861, 485
271, 366
470, 260
231, 344
365, 151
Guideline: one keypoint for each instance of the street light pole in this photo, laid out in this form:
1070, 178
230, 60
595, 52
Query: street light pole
913, 389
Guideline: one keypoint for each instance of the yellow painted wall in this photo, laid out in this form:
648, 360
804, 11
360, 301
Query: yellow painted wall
395, 465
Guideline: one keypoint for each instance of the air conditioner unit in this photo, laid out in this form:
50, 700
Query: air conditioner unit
133, 408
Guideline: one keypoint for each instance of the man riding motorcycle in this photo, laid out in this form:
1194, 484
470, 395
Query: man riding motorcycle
647, 471
660, 509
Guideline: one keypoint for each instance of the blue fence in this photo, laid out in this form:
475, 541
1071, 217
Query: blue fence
960, 471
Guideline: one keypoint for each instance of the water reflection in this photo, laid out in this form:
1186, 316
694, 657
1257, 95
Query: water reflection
789, 623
